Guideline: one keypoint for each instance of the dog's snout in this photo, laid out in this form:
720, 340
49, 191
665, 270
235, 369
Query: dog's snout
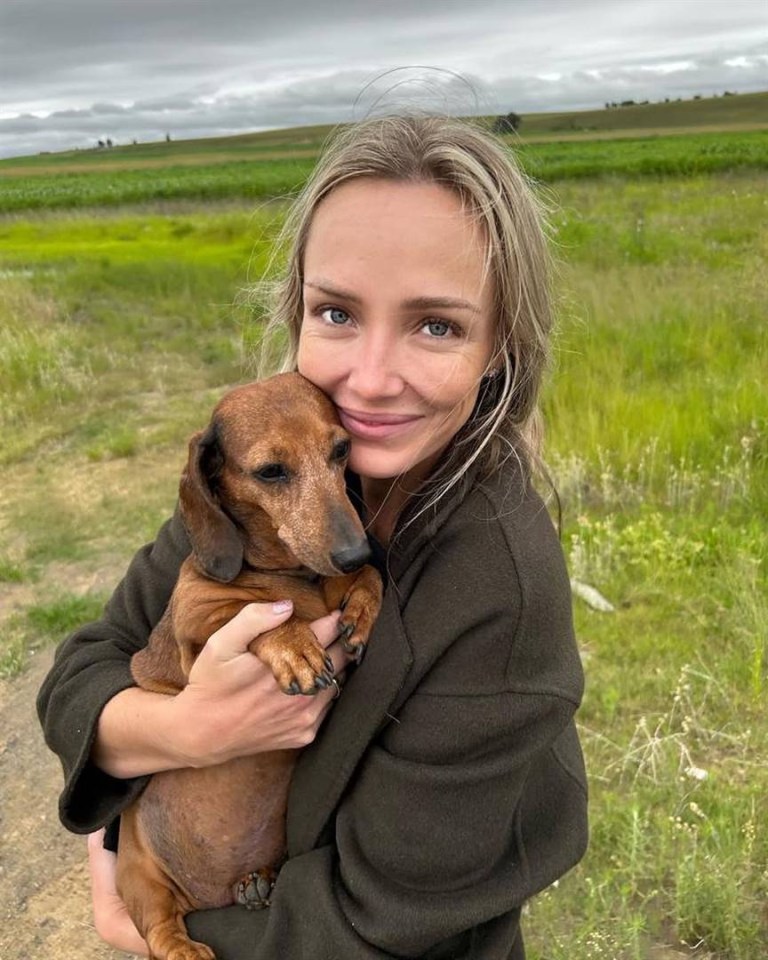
352, 558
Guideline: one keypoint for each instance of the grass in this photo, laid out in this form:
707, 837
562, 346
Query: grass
114, 317
43, 623
648, 156
659, 445
10, 571
120, 328
62, 615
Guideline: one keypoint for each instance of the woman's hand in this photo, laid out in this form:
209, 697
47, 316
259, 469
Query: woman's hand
232, 706
110, 916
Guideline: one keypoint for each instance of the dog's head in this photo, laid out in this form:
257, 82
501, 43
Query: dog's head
264, 484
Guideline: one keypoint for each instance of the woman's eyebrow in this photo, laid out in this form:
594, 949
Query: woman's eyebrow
437, 303
327, 288
415, 303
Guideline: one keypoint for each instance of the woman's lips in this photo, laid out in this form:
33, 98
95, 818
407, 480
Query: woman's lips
375, 426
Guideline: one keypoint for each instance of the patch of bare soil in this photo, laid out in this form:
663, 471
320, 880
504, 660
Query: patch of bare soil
45, 908
44, 896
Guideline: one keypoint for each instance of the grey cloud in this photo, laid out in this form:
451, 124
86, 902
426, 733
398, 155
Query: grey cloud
108, 109
139, 69
167, 104
581, 90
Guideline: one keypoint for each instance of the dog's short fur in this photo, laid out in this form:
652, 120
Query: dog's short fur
264, 502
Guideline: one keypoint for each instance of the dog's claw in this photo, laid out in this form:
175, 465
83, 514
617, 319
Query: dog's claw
263, 887
329, 666
360, 653
345, 633
322, 682
293, 688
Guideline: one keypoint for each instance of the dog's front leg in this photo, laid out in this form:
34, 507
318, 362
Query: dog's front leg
358, 596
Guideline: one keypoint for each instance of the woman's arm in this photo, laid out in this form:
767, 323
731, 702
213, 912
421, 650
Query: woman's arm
110, 914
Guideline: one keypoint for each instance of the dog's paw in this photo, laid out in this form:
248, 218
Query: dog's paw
359, 611
182, 948
254, 891
298, 662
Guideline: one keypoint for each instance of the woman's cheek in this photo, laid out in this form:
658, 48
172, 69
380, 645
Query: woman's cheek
322, 362
308, 360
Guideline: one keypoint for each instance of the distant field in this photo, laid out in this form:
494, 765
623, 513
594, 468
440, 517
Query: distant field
247, 180
186, 177
713, 114
666, 139
744, 111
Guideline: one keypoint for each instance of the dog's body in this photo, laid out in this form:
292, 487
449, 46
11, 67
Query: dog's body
264, 502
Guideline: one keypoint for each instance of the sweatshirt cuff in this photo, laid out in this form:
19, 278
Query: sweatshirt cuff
92, 798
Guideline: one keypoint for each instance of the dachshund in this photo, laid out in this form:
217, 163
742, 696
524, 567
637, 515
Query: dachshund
264, 502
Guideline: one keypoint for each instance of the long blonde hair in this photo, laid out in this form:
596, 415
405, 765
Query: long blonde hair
457, 154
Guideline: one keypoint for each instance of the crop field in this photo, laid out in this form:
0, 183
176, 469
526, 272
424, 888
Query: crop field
202, 178
124, 316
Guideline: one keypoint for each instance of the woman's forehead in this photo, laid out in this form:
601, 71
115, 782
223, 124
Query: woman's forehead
407, 201
382, 224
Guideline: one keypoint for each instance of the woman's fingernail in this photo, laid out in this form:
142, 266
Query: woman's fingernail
281, 606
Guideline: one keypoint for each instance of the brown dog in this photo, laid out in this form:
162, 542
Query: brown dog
264, 502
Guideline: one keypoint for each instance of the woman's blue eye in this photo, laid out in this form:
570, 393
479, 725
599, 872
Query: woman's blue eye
438, 328
335, 316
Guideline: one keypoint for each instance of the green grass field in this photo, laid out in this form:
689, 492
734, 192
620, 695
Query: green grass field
120, 326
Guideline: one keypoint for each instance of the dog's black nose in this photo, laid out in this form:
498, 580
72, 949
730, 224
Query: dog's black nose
352, 558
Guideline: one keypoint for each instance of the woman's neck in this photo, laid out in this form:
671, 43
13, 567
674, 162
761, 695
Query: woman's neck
384, 501
385, 497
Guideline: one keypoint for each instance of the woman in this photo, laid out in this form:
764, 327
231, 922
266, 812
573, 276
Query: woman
446, 784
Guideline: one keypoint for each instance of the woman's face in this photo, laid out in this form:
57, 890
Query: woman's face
398, 325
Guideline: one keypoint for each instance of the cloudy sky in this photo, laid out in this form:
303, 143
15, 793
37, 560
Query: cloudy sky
72, 71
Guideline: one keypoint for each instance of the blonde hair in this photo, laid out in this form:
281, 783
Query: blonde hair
461, 156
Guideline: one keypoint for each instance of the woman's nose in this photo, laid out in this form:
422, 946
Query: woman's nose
375, 369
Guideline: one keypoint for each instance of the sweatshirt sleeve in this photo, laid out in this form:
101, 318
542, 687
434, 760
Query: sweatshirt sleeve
93, 665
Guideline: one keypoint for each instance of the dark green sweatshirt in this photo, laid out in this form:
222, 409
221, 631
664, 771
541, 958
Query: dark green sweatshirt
446, 786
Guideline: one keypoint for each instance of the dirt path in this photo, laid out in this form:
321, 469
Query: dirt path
44, 905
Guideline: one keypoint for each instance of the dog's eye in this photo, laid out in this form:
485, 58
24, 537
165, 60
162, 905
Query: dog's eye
271, 473
340, 451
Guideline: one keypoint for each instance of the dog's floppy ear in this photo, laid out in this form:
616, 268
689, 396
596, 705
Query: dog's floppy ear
215, 541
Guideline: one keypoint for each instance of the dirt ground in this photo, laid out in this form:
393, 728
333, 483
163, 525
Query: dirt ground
44, 904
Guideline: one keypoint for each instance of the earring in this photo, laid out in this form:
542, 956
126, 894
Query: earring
492, 374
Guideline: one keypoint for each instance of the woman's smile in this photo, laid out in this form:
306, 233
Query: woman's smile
381, 426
